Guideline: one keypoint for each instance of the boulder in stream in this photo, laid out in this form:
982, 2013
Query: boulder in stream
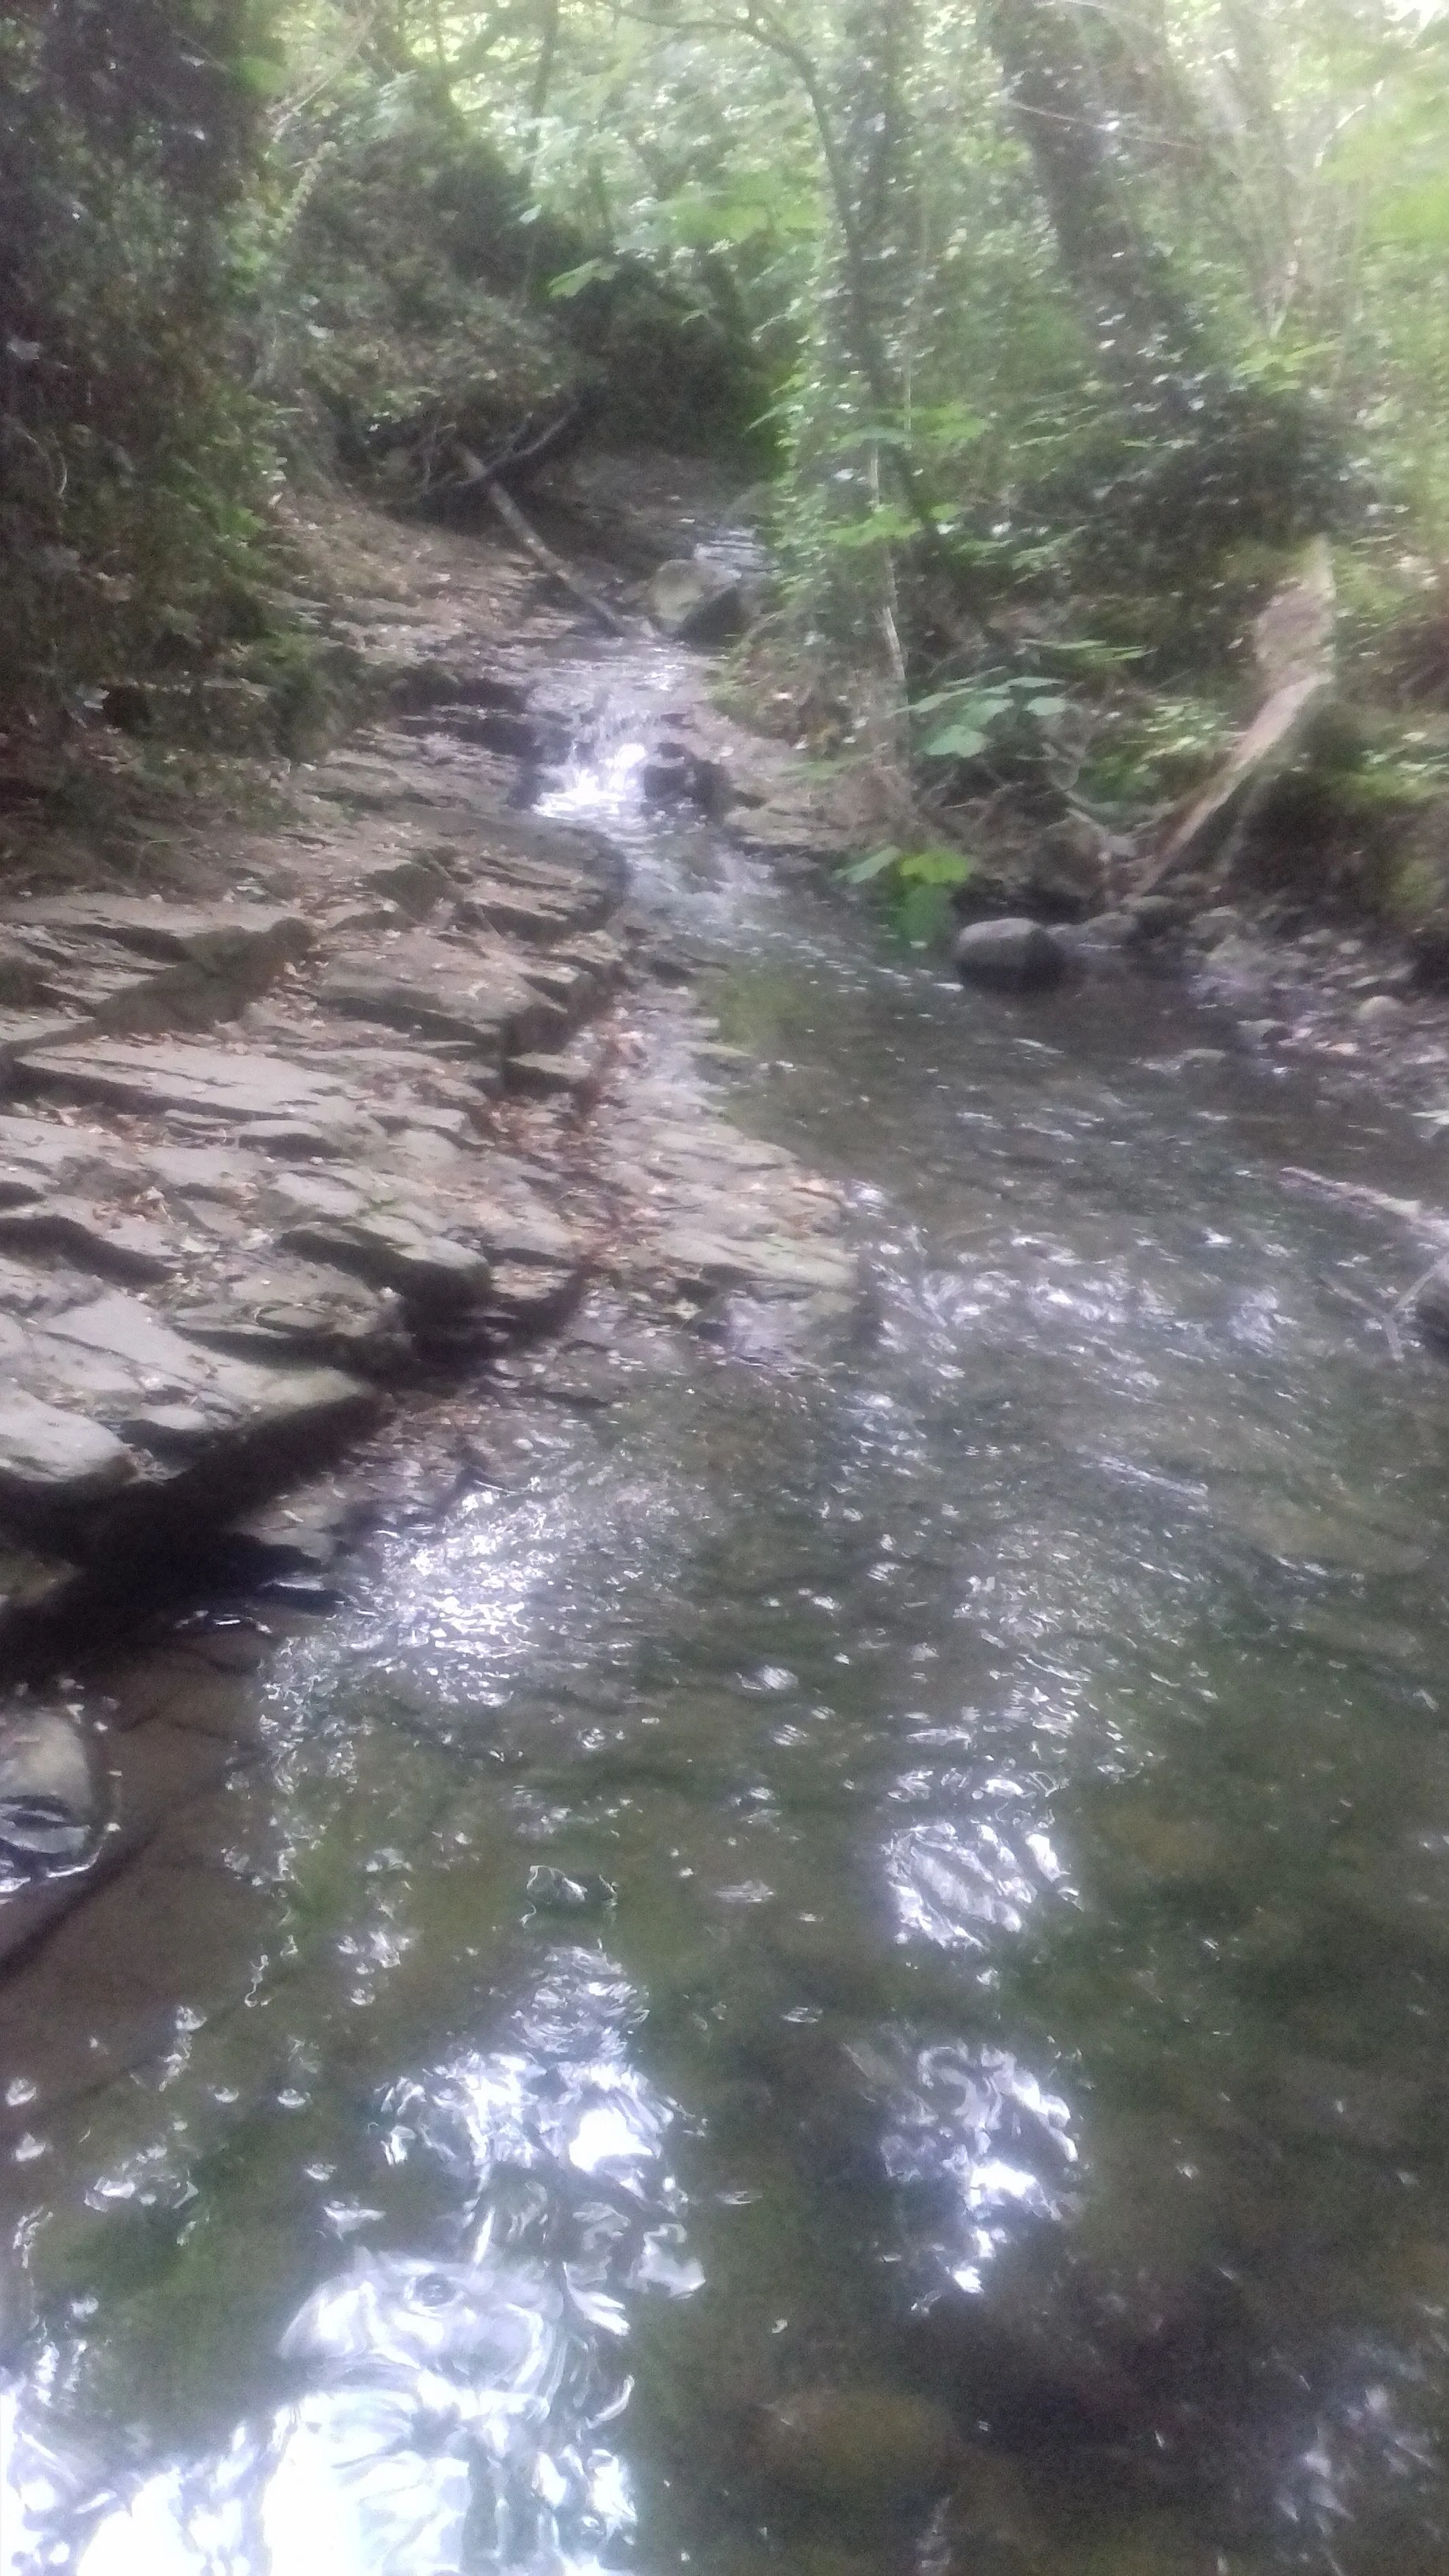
696, 602
1014, 956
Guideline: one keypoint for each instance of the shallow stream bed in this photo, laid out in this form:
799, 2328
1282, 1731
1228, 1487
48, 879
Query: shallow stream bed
848, 1971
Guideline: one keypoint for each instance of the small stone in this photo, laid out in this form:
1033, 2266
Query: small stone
696, 602
553, 1891
1222, 921
1239, 963
1108, 930
1381, 1013
1157, 914
1010, 956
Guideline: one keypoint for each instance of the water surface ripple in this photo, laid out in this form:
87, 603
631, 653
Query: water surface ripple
849, 1970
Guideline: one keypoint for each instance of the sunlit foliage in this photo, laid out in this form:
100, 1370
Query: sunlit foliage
1055, 320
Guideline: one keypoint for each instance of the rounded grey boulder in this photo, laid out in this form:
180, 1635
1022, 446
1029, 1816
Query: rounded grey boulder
1013, 956
697, 602
1382, 1011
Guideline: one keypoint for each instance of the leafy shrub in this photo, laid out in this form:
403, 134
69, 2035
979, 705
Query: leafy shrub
918, 885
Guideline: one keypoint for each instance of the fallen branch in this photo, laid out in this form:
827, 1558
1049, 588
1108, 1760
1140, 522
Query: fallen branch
532, 544
484, 478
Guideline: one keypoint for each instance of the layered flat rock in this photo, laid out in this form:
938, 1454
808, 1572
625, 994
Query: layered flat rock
51, 1155
391, 1249
537, 904
51, 1458
130, 965
413, 883
99, 1239
224, 939
692, 1258
534, 848
106, 1398
21, 1031
487, 998
285, 1309
212, 1082
719, 1213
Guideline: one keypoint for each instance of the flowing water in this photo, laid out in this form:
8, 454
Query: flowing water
851, 1971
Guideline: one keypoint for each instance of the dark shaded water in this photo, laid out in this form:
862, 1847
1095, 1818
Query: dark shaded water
848, 1974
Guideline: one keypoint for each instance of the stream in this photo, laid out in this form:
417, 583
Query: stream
849, 1971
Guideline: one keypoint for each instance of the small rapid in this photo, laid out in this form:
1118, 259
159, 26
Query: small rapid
844, 1969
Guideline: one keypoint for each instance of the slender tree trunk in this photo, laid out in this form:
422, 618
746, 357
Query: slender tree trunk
1070, 82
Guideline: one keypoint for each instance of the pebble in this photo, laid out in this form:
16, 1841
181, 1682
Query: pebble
1382, 1012
1223, 921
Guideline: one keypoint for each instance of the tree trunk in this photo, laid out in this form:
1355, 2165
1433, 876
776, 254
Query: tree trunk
1071, 81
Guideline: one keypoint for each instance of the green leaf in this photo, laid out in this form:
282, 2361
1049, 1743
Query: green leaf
261, 75
1045, 708
955, 742
887, 526
977, 705
935, 867
572, 281
861, 871
949, 426
923, 915
758, 203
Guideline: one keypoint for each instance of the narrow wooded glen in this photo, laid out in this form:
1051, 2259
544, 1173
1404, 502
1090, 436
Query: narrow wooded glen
724, 1285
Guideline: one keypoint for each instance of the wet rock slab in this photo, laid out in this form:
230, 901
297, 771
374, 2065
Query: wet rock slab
166, 1424
444, 989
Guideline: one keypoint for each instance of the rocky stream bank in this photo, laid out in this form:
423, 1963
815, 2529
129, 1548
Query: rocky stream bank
567, 1773
329, 1148
335, 1144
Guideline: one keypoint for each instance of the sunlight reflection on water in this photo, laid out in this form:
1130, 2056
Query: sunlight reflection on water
442, 2399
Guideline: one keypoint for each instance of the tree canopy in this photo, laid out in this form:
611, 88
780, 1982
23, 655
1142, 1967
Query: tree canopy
1052, 318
